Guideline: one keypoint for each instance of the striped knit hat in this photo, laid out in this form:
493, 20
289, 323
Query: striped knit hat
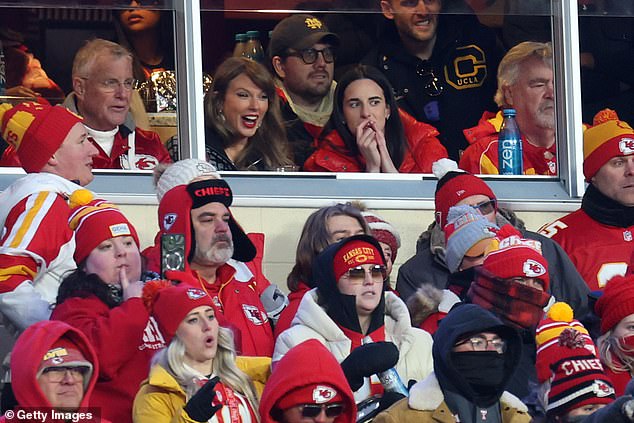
35, 131
566, 357
608, 137
95, 221
383, 232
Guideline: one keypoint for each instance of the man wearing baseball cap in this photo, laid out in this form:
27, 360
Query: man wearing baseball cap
35, 248
599, 236
302, 56
54, 367
429, 264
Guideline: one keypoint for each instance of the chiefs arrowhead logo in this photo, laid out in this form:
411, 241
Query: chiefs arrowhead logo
322, 394
533, 269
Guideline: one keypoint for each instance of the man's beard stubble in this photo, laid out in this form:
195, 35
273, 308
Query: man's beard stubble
216, 254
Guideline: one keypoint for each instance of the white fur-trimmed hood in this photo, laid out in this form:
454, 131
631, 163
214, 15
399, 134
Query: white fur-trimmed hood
426, 395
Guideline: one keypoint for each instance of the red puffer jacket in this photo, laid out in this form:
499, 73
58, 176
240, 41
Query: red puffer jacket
423, 149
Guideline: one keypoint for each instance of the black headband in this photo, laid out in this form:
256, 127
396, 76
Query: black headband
210, 191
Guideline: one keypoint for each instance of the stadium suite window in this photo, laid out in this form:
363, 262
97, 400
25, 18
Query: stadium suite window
401, 190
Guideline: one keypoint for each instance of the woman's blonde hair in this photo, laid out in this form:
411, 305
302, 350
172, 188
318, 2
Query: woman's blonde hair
224, 366
612, 354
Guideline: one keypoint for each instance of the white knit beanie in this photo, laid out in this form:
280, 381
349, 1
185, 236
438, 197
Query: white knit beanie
181, 173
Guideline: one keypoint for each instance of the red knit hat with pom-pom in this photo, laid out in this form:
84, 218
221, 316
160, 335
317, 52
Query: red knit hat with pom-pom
170, 304
608, 137
566, 357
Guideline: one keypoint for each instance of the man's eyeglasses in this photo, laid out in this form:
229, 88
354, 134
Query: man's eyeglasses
486, 207
309, 55
57, 374
356, 275
433, 86
111, 85
310, 411
480, 343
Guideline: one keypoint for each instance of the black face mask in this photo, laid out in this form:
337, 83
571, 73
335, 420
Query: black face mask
481, 369
460, 281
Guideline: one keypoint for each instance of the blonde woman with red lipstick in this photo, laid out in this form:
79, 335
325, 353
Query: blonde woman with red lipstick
245, 130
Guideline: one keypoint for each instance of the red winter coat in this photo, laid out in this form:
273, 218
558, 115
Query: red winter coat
125, 338
482, 154
423, 149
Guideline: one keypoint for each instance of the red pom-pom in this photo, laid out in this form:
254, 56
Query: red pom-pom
605, 115
571, 338
150, 290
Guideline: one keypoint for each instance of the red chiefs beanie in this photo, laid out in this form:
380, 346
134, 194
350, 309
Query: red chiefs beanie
608, 137
383, 232
171, 304
455, 186
95, 222
36, 131
616, 302
517, 258
566, 356
315, 393
354, 254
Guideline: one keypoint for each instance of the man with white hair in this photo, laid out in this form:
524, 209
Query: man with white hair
526, 84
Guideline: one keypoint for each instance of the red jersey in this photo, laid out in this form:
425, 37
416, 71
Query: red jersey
598, 251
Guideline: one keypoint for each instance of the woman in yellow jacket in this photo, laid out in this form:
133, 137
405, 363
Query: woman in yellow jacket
194, 379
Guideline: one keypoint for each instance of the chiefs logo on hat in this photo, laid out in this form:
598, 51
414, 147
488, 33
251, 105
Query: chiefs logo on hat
626, 145
322, 394
168, 220
602, 389
195, 293
533, 269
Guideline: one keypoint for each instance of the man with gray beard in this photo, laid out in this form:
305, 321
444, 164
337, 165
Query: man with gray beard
216, 251
525, 83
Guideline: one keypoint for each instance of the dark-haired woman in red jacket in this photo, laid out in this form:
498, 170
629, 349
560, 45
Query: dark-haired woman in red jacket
368, 133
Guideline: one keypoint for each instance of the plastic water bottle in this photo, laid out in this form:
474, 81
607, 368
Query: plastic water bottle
510, 145
391, 382
253, 48
241, 41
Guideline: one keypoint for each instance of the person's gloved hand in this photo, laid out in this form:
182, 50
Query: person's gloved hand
274, 301
199, 407
369, 359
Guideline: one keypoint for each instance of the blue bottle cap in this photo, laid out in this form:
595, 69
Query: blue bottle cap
508, 112
253, 34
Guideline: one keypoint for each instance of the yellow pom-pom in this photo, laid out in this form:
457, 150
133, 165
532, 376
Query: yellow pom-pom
561, 312
80, 197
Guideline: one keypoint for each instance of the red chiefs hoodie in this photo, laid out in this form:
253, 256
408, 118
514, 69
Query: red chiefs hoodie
27, 355
305, 364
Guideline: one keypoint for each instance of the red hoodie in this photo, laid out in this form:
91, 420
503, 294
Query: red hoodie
305, 364
27, 355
